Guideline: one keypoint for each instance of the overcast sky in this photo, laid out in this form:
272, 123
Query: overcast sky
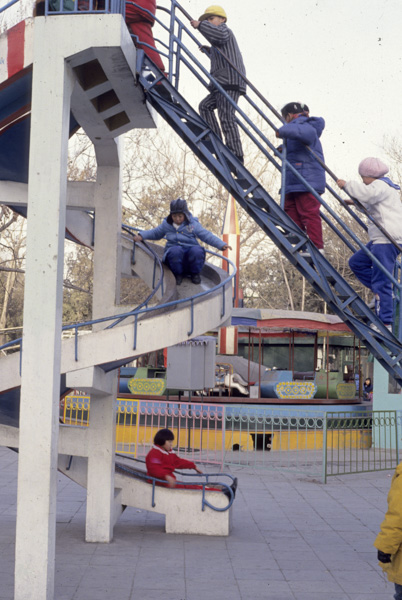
341, 57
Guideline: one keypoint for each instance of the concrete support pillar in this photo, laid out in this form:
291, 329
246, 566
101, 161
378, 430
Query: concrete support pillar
106, 295
40, 391
108, 215
101, 450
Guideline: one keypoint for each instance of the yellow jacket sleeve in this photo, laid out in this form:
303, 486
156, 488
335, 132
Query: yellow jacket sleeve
390, 537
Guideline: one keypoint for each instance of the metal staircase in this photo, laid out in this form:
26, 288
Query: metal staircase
164, 96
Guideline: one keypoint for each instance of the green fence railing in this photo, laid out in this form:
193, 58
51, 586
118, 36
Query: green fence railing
360, 442
275, 439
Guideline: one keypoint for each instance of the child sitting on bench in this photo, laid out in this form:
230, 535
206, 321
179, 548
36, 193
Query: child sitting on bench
161, 463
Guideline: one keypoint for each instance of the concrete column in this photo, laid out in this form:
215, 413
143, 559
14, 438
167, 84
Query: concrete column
108, 215
100, 482
106, 295
37, 471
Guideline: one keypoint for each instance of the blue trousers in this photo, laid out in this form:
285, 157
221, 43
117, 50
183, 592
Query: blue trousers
185, 260
372, 277
398, 591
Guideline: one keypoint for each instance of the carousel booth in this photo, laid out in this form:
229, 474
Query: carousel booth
291, 356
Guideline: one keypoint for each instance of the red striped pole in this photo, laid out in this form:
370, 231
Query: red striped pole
227, 341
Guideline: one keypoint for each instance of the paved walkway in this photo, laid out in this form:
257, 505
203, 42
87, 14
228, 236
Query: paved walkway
292, 539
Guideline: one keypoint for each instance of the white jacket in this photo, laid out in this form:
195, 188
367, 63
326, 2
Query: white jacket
383, 203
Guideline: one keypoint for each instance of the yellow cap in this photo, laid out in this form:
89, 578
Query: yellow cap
213, 11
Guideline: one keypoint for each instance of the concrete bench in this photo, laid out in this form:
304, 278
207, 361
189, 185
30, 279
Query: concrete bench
186, 510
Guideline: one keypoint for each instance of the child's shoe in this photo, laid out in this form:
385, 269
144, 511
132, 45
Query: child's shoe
179, 279
196, 278
233, 487
372, 302
387, 326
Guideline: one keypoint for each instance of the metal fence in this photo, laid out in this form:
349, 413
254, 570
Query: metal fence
198, 431
318, 444
276, 439
360, 443
74, 410
198, 428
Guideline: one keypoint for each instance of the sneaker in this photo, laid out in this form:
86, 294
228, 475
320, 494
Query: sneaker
233, 487
179, 279
307, 254
372, 302
375, 328
196, 278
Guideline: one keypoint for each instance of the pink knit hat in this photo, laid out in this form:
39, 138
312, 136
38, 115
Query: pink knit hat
372, 167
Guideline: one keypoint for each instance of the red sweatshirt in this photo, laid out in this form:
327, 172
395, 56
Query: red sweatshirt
134, 14
161, 463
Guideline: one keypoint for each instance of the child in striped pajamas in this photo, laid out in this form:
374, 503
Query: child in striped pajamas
212, 24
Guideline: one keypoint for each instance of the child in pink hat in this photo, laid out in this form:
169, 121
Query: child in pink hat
382, 200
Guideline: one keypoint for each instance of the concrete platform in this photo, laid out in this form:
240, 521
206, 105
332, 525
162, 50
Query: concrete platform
292, 539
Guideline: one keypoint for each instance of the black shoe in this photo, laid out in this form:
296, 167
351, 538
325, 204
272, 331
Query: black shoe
179, 279
196, 278
233, 487
163, 92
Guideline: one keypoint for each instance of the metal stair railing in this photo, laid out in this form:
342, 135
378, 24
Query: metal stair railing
143, 310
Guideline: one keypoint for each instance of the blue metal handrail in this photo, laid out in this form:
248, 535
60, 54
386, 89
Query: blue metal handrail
138, 312
6, 6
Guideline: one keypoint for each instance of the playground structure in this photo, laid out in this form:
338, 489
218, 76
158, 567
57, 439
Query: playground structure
94, 78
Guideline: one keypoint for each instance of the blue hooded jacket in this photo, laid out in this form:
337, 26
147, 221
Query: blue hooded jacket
299, 133
185, 235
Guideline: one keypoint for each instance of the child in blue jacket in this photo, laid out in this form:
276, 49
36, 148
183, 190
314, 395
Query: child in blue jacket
183, 254
300, 131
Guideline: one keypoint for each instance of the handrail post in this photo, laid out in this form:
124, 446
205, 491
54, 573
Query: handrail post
192, 317
76, 343
223, 301
283, 173
135, 331
324, 448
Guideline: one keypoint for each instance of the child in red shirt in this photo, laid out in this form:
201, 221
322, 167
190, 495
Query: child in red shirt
161, 463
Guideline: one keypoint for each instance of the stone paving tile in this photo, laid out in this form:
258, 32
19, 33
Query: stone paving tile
266, 595
322, 587
7, 592
216, 589
155, 594
377, 596
319, 596
316, 574
107, 593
